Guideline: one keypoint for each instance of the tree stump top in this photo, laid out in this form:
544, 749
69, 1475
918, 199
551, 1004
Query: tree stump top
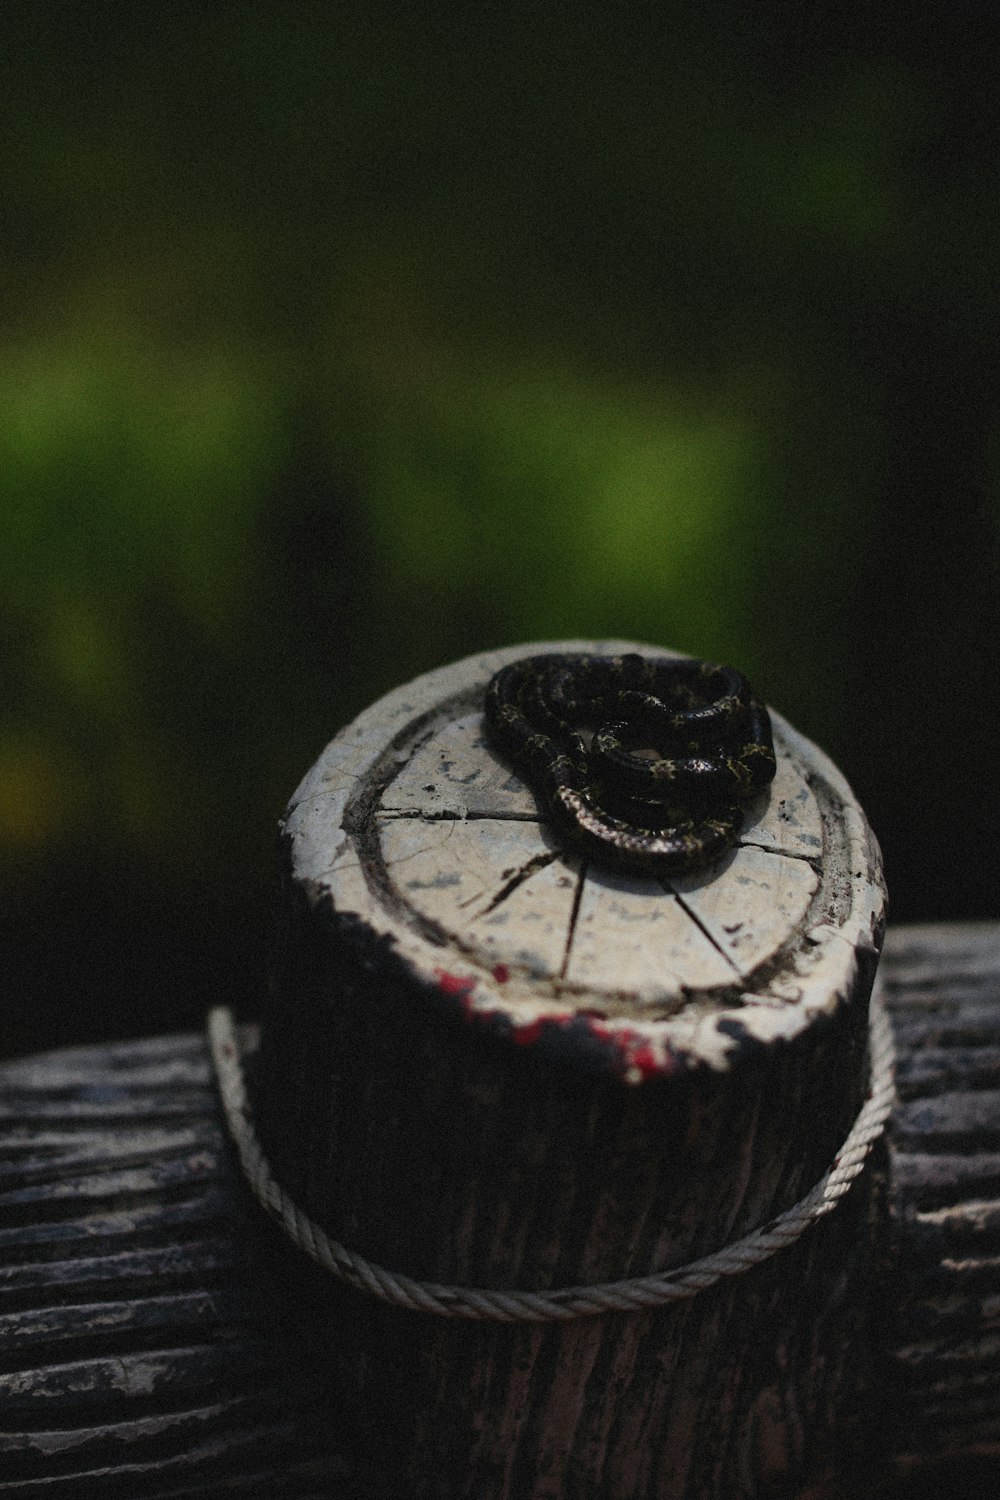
413, 822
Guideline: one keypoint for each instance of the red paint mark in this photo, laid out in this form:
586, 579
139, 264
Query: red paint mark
645, 1060
454, 984
635, 1051
632, 1054
524, 1036
460, 986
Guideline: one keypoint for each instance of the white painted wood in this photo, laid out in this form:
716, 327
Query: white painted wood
633, 938
455, 773
456, 874
413, 822
757, 898
786, 817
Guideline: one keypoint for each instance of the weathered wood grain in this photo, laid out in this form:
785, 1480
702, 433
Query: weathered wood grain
136, 1357
943, 1335
84, 1347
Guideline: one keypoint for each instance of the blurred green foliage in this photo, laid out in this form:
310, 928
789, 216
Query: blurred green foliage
338, 343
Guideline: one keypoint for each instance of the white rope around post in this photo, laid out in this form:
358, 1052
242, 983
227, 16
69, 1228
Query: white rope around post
568, 1302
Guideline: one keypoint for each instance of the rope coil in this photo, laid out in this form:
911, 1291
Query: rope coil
561, 1305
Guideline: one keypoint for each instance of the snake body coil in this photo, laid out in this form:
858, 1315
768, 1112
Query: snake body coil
666, 815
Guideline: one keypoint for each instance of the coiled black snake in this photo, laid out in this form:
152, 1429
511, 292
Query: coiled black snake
666, 815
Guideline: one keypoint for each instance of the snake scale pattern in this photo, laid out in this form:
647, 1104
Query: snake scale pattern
643, 762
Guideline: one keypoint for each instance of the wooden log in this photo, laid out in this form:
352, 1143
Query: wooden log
126, 1244
136, 1356
487, 1063
941, 1339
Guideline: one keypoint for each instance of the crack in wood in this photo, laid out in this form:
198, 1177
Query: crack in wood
814, 861
690, 912
467, 815
574, 913
531, 867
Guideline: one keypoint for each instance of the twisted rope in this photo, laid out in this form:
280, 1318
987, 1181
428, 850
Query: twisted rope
568, 1302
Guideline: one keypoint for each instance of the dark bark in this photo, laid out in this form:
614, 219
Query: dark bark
452, 1156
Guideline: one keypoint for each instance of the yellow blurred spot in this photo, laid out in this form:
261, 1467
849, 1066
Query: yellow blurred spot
38, 799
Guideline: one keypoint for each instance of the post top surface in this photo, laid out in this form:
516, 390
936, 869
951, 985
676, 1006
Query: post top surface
412, 822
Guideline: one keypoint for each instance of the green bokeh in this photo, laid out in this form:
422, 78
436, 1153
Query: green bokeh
337, 346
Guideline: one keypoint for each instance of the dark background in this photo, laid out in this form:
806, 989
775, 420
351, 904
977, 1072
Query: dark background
337, 343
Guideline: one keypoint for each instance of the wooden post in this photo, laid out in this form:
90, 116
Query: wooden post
485, 1063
